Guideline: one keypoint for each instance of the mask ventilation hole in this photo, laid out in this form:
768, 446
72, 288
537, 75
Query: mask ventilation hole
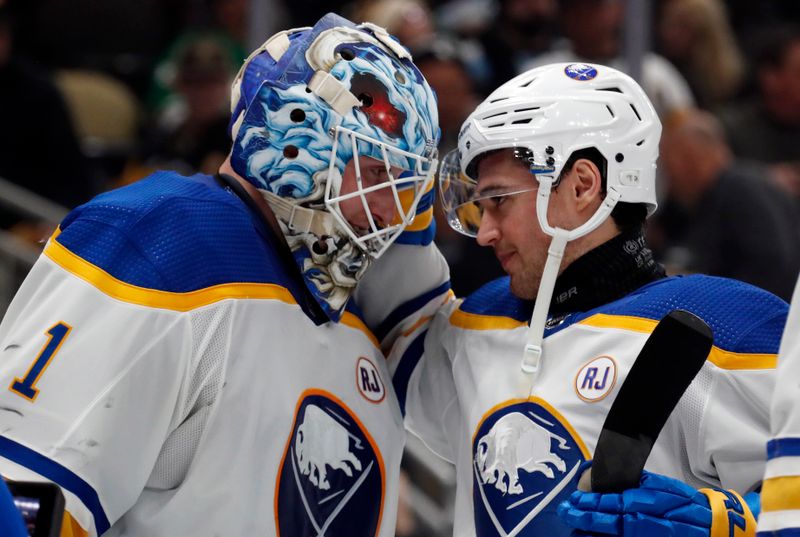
610, 111
400, 77
498, 99
640, 142
522, 121
290, 152
347, 54
297, 115
635, 111
320, 247
616, 90
366, 99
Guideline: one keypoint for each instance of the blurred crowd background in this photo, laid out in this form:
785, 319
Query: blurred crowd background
95, 94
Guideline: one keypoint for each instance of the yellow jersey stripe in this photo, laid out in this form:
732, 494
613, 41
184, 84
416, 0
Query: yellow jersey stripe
125, 292
780, 494
134, 294
475, 321
422, 221
406, 197
71, 528
348, 319
719, 357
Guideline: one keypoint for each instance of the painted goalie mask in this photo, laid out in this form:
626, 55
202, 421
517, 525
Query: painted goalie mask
310, 109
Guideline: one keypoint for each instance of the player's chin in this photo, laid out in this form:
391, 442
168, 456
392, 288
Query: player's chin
523, 286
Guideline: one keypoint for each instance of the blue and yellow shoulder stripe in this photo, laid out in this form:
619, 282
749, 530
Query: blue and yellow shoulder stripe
747, 322
493, 307
175, 243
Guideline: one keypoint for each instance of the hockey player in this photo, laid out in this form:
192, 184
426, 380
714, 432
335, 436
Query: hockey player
555, 171
780, 496
184, 359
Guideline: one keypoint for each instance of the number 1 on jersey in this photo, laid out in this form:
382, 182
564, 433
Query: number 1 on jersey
25, 386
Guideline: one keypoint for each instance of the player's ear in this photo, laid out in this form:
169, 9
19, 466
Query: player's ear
586, 186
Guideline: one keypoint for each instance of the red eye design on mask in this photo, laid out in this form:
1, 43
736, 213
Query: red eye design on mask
376, 105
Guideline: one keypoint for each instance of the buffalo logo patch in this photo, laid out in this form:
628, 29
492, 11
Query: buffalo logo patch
331, 480
525, 462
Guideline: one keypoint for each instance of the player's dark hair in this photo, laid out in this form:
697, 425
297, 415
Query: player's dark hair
626, 215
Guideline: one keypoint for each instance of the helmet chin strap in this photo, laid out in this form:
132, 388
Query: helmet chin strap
315, 221
532, 353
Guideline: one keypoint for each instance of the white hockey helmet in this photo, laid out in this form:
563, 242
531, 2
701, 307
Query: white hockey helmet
548, 113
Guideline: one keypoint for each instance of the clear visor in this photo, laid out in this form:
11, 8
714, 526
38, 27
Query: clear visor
378, 196
463, 202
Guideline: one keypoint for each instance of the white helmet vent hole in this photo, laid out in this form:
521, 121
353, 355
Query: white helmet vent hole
610, 111
635, 111
522, 121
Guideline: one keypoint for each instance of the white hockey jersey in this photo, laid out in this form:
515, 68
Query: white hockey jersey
162, 365
518, 458
780, 497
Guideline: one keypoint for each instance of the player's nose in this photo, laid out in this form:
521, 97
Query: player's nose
489, 231
382, 206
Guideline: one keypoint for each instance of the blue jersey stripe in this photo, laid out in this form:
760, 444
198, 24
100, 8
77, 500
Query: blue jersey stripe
783, 447
58, 474
422, 237
407, 364
407, 308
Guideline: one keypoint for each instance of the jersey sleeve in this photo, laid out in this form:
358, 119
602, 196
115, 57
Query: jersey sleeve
90, 389
424, 384
717, 433
735, 427
780, 499
404, 287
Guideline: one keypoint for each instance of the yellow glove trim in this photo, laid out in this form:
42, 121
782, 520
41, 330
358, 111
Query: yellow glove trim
729, 508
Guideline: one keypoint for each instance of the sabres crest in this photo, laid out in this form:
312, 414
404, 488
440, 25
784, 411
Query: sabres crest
331, 473
525, 462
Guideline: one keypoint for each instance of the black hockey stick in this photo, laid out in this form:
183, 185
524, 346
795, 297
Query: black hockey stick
670, 359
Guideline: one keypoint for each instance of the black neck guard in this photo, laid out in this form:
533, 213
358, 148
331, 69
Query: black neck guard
607, 273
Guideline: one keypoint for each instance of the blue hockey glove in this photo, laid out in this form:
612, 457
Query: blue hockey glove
661, 507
